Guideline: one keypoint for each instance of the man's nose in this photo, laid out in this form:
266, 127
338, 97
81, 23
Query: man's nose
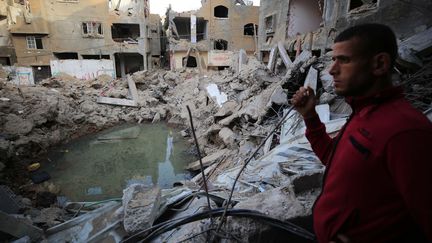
333, 68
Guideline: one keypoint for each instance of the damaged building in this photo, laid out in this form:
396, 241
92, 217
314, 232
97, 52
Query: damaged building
110, 37
248, 167
312, 25
209, 37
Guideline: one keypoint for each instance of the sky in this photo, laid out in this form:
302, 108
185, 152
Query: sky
160, 6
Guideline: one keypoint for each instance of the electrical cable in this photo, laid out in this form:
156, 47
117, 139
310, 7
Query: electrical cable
247, 162
285, 226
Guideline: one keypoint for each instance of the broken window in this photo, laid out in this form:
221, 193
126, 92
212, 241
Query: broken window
183, 26
97, 57
221, 12
270, 22
125, 33
354, 4
66, 55
34, 42
250, 29
190, 62
221, 45
92, 28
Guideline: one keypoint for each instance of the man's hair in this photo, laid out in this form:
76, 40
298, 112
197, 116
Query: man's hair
374, 38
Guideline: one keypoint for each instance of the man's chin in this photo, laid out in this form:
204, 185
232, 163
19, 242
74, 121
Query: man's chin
340, 92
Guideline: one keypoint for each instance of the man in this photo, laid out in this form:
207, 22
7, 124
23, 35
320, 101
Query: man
378, 181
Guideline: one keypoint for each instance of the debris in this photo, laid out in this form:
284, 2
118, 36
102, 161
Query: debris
208, 160
272, 58
45, 199
219, 97
312, 79
141, 207
283, 53
9, 202
100, 224
4, 99
114, 101
39, 177
227, 136
19, 227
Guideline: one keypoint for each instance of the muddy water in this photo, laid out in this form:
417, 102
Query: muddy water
100, 166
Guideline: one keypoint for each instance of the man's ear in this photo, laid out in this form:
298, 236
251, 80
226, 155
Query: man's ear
381, 64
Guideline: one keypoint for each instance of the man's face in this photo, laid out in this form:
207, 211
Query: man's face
351, 69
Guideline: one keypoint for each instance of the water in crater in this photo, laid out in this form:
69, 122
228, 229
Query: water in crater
101, 165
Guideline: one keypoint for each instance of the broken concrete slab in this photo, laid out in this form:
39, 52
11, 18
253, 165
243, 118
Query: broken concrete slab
132, 88
272, 59
219, 97
16, 125
19, 227
243, 59
312, 79
103, 223
141, 205
278, 97
284, 55
303, 57
415, 44
208, 160
227, 136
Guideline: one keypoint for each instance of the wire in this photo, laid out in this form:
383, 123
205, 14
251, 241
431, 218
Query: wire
222, 220
245, 213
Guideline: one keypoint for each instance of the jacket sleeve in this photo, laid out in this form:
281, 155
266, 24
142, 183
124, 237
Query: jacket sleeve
321, 142
410, 165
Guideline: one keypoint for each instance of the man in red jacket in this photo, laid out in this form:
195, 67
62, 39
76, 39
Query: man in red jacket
378, 181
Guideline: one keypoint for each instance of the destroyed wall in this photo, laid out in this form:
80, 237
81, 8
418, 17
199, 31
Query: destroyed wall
278, 21
222, 26
155, 29
7, 53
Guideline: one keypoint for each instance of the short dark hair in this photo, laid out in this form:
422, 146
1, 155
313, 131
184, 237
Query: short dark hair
375, 38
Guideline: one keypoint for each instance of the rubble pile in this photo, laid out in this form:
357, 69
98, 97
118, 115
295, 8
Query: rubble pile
232, 111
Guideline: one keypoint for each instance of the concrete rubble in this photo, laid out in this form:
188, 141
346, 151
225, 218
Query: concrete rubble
285, 175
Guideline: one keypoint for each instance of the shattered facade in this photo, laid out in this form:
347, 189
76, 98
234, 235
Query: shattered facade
45, 31
209, 37
314, 24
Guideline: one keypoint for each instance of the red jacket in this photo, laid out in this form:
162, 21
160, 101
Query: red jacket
378, 181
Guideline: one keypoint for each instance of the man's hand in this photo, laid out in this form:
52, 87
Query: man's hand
304, 102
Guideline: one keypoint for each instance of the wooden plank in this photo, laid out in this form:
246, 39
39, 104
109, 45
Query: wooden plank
115, 101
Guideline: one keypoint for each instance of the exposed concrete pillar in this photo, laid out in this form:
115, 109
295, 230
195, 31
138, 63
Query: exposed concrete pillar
122, 66
112, 57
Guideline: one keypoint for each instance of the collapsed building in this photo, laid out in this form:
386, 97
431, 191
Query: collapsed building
209, 37
313, 24
100, 37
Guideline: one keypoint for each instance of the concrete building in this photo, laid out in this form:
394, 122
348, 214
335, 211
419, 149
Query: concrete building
313, 25
82, 37
7, 51
157, 40
208, 38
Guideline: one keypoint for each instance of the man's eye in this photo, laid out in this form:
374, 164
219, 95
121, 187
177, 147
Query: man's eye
344, 59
